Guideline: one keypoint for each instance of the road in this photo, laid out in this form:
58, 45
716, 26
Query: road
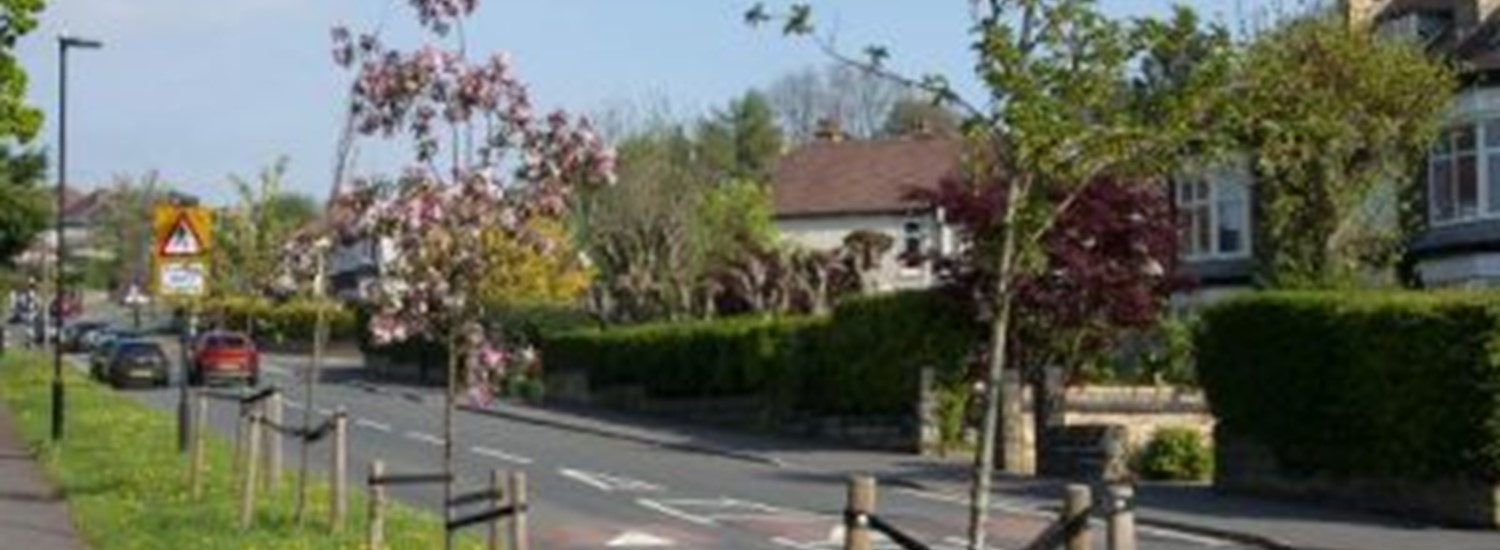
593, 492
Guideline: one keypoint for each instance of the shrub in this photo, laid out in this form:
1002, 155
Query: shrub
1361, 384
281, 322
864, 359
1177, 454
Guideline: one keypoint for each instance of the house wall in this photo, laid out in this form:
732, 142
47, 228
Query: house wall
828, 231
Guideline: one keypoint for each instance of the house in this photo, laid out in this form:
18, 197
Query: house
1458, 238
832, 187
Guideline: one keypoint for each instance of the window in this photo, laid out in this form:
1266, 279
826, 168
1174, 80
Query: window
912, 238
1463, 174
1215, 217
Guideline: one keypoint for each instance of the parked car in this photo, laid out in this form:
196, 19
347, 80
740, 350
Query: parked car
136, 362
74, 334
102, 347
224, 355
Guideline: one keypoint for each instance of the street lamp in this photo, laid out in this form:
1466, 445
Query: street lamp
63, 43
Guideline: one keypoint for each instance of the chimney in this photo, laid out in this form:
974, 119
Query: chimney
830, 130
1361, 14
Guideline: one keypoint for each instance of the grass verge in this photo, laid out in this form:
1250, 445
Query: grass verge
127, 487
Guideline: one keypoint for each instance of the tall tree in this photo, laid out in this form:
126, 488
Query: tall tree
1335, 118
743, 140
253, 231
126, 233
861, 101
910, 116
1057, 120
23, 208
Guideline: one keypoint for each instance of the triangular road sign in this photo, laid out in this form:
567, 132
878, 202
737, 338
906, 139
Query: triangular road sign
182, 240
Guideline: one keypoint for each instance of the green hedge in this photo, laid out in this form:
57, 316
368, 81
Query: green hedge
283, 322
1362, 384
863, 359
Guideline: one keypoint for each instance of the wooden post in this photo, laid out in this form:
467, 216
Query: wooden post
376, 534
497, 527
518, 538
1121, 517
200, 435
273, 442
1077, 504
861, 506
339, 470
239, 437
247, 497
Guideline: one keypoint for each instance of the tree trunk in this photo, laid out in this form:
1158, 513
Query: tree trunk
448, 438
1047, 398
984, 461
309, 382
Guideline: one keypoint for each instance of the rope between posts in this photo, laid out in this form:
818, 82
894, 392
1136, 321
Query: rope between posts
905, 541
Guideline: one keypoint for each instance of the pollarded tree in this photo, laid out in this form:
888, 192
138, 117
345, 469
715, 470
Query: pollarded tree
1060, 116
484, 161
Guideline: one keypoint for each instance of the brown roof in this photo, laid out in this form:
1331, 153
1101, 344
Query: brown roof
861, 177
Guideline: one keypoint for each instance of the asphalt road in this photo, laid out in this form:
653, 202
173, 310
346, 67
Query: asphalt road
594, 492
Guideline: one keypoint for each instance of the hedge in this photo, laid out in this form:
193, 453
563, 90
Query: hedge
864, 359
1360, 384
292, 321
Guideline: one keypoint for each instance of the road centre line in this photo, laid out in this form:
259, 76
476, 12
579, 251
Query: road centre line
499, 455
373, 425
673, 512
424, 437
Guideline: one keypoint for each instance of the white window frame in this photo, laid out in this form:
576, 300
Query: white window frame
1482, 153
921, 235
1215, 180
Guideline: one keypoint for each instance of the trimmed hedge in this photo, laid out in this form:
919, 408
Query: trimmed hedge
292, 321
864, 359
1360, 384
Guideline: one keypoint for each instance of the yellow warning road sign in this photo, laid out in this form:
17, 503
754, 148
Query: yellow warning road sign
183, 237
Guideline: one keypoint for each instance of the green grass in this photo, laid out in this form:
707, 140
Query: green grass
127, 486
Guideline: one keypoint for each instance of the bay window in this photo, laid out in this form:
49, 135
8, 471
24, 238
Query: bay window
1463, 174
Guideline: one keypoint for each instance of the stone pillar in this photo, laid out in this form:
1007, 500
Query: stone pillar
929, 414
1016, 440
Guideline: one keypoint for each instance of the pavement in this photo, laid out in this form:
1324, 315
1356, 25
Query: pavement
32, 514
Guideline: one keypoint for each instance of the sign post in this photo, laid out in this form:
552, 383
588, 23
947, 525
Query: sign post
180, 271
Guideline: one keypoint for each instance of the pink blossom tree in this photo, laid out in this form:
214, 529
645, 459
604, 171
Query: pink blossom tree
483, 160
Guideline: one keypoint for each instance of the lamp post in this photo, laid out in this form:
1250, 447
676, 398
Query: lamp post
64, 42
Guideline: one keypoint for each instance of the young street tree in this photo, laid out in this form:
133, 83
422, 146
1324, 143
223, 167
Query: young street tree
483, 161
1061, 115
253, 231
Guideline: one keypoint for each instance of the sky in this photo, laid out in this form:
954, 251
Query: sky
200, 89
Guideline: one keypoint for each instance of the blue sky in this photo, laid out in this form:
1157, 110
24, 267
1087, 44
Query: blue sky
199, 89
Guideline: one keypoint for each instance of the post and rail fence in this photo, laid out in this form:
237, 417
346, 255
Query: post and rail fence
260, 430
1070, 531
506, 513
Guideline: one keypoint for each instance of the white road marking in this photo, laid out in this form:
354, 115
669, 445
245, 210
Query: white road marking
278, 371
608, 483
1181, 536
373, 425
679, 514
964, 501
499, 455
296, 405
325, 411
425, 438
639, 539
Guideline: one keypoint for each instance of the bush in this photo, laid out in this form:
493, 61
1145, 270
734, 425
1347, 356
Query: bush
284, 322
1360, 384
862, 360
1177, 454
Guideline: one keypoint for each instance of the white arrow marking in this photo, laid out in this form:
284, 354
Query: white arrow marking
606, 482
637, 539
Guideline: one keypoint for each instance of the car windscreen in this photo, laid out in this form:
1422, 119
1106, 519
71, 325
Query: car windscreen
231, 341
136, 351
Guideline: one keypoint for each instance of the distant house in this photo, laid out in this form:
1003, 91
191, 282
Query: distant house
832, 187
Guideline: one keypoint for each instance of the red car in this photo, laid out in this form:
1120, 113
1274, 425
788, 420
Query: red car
223, 355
